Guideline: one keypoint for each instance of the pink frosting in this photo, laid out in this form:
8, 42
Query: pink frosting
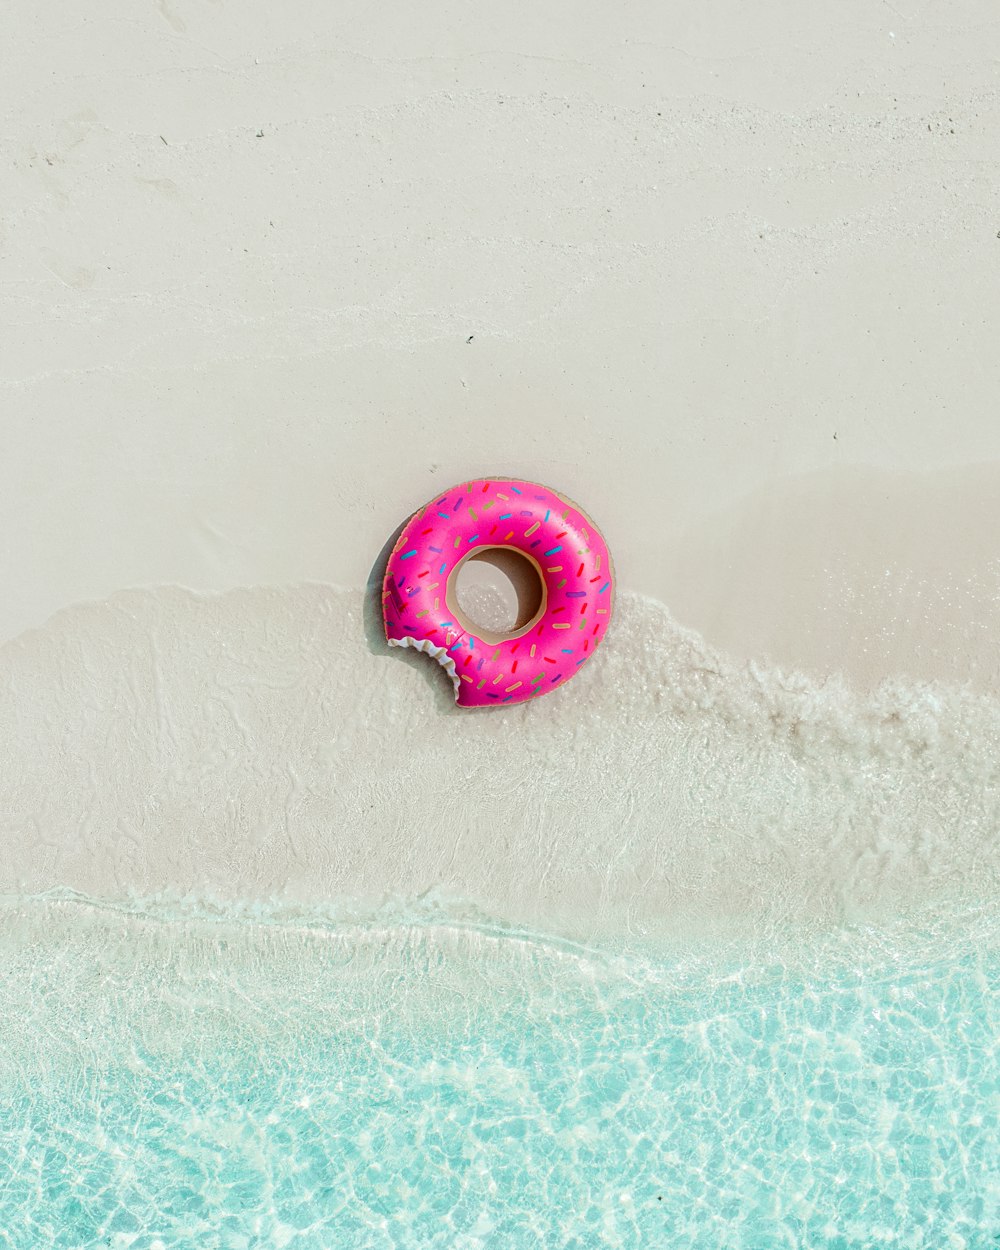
497, 512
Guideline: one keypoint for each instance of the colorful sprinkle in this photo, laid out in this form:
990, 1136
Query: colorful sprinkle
414, 607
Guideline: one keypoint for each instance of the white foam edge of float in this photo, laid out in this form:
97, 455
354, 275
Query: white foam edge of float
436, 653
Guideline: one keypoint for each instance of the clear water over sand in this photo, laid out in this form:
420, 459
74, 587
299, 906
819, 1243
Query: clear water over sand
695, 953
174, 1084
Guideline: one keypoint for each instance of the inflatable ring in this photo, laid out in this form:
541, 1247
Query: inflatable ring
573, 565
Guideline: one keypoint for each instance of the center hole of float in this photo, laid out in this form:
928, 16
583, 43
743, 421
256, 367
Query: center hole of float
496, 593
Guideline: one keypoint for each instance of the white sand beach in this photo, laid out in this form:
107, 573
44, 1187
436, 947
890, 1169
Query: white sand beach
725, 274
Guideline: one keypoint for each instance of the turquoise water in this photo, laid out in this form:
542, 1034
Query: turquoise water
204, 1084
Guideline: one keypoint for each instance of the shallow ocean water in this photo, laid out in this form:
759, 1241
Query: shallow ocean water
198, 1082
703, 955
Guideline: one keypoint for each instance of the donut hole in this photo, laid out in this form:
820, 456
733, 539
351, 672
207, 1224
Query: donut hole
496, 593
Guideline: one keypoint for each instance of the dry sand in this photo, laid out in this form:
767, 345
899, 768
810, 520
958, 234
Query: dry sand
726, 274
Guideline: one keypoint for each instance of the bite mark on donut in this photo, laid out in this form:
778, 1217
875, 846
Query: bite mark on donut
436, 653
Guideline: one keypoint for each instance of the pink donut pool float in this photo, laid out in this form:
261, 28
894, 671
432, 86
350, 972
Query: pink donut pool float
572, 601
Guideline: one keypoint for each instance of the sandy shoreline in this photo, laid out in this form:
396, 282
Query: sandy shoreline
262, 745
698, 949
